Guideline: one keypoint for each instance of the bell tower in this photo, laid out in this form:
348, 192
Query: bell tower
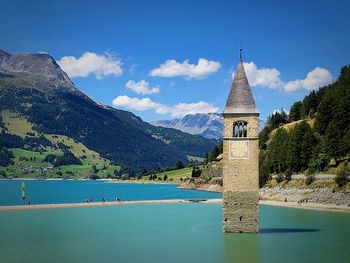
241, 157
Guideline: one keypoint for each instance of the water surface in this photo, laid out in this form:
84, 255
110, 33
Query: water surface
69, 191
183, 233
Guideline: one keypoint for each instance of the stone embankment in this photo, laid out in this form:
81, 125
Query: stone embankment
306, 195
326, 194
210, 187
213, 169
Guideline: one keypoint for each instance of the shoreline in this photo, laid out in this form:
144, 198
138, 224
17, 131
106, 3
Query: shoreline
97, 204
308, 206
109, 180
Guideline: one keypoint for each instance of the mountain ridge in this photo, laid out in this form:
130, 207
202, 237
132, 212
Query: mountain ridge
208, 125
34, 86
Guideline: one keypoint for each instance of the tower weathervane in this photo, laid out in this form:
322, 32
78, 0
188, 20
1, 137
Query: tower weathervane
240, 49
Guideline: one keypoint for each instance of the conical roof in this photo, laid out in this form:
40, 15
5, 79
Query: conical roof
240, 98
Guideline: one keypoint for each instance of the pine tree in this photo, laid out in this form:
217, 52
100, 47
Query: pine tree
295, 111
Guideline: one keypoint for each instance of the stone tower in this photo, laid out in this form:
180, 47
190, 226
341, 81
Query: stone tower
241, 157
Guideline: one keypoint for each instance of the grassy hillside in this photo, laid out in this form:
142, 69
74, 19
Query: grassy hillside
291, 125
16, 124
176, 175
31, 162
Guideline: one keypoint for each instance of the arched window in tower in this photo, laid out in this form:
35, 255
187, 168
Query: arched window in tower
240, 129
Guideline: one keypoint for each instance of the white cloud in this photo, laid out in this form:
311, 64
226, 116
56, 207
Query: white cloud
91, 64
178, 110
172, 68
270, 78
316, 78
262, 77
141, 87
135, 103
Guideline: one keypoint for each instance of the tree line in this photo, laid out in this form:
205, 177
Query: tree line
306, 147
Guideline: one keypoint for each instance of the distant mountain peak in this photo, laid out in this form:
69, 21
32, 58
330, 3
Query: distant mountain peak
208, 125
34, 68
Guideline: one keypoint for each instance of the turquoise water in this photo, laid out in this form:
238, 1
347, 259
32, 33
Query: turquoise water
61, 192
158, 233
170, 233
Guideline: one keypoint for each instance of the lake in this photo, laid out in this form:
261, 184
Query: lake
69, 191
158, 233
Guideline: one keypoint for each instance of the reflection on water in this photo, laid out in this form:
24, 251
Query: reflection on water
287, 230
241, 247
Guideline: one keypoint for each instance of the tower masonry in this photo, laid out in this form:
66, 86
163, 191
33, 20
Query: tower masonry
241, 157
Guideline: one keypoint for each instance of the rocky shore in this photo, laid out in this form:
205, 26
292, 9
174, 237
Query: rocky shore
323, 194
306, 195
210, 187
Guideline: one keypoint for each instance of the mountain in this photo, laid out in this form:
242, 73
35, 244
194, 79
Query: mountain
36, 88
33, 69
209, 125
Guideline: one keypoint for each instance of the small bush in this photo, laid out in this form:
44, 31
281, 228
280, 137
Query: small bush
206, 180
93, 176
343, 173
22, 158
3, 173
341, 179
311, 171
288, 175
309, 179
279, 178
196, 172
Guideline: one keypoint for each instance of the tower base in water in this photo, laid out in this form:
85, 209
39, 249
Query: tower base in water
240, 212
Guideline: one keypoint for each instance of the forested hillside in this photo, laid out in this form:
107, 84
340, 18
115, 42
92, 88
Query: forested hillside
317, 137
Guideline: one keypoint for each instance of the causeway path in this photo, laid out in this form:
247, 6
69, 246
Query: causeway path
312, 206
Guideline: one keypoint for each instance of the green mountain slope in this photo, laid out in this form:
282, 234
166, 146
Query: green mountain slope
26, 153
315, 137
34, 86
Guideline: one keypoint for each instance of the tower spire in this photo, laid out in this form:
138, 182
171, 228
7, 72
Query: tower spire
240, 98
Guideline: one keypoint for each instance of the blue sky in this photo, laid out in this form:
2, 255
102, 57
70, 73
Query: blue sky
144, 55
